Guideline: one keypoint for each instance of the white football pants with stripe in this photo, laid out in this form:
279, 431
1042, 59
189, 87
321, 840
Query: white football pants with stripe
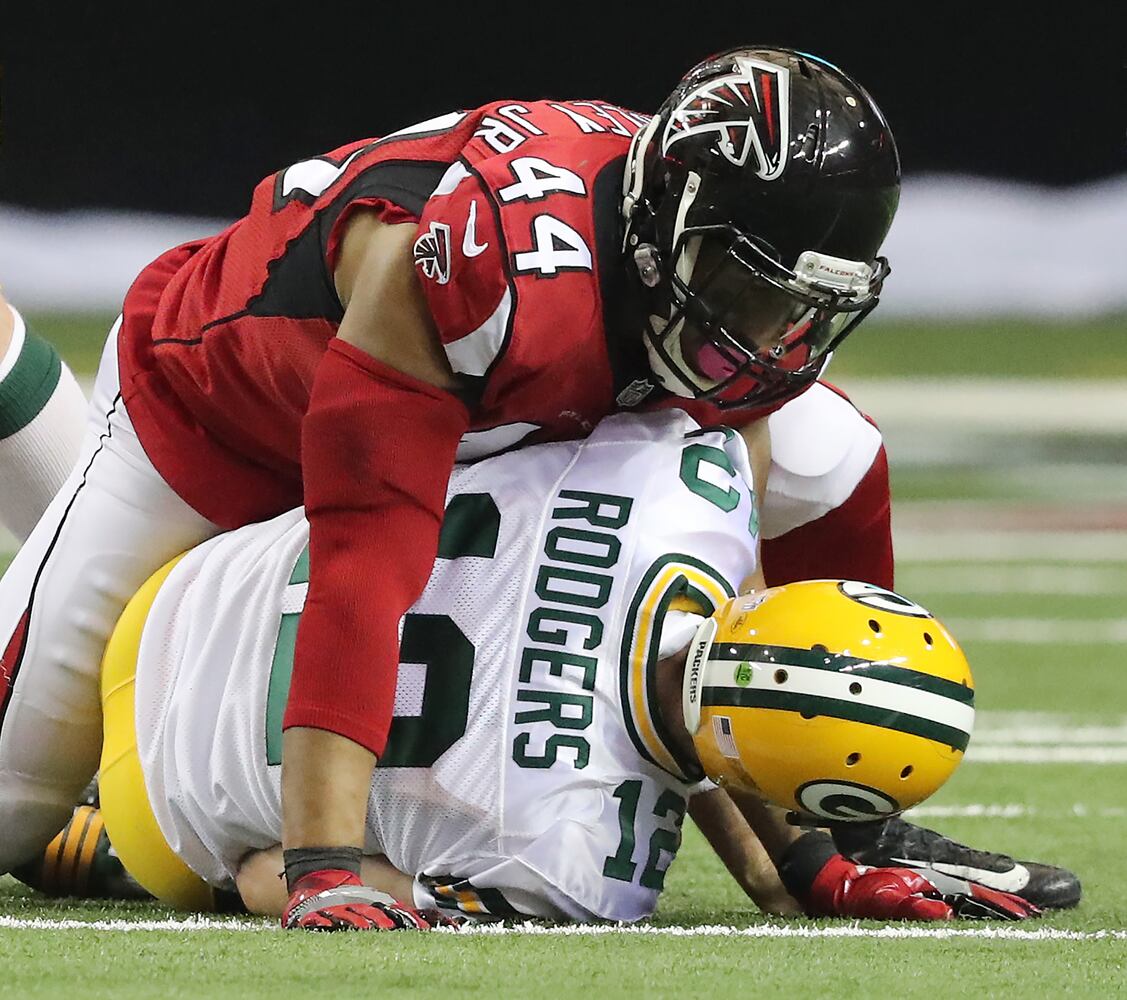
113, 523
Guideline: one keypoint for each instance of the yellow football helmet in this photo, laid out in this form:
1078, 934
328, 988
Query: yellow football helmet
836, 699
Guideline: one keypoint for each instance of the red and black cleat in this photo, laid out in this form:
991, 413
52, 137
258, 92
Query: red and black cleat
896, 842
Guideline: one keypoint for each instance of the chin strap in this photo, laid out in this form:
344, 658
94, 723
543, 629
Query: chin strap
687, 260
634, 177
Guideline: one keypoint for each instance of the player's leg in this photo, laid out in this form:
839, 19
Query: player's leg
112, 524
42, 418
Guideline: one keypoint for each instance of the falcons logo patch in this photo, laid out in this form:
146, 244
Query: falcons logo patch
747, 111
432, 252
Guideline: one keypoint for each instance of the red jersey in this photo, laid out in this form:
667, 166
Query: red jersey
519, 253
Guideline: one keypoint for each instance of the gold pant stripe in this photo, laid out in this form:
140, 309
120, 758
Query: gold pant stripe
92, 827
52, 861
132, 827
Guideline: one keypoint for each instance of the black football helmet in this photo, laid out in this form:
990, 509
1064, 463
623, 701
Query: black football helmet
755, 202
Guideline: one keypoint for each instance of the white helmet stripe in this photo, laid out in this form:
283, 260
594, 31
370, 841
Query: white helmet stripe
810, 682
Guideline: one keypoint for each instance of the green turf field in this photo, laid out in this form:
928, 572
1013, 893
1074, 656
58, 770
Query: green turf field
1020, 545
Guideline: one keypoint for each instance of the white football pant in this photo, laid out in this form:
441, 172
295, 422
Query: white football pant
114, 522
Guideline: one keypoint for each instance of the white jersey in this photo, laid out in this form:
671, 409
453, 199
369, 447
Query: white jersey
527, 768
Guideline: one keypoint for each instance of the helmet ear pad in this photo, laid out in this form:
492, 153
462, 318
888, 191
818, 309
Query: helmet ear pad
797, 698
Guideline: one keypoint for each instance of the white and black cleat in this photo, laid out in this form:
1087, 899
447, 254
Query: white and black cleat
898, 843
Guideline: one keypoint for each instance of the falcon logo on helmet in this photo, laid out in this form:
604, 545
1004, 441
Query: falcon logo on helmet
749, 112
825, 705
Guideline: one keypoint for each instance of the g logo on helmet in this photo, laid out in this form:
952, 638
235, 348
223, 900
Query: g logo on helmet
845, 801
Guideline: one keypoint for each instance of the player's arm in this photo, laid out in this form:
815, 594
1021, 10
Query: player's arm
826, 884
264, 893
386, 315
728, 832
378, 444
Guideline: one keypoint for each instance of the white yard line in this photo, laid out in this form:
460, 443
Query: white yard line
175, 924
1011, 546
1046, 738
1045, 755
1014, 810
1049, 733
192, 924
1039, 631
1003, 718
1020, 406
802, 931
1081, 581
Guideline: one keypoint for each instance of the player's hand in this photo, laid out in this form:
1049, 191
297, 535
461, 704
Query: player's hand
335, 900
974, 901
843, 889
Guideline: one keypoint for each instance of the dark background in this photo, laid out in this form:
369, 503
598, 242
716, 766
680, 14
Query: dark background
183, 109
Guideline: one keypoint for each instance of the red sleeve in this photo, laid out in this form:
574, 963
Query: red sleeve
377, 450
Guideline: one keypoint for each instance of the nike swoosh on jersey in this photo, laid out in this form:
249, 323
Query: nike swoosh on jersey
1014, 880
470, 246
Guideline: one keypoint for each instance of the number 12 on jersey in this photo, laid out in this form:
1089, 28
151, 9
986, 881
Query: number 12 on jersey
664, 840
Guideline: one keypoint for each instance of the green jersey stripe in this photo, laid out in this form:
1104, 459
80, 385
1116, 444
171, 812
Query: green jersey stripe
28, 387
680, 585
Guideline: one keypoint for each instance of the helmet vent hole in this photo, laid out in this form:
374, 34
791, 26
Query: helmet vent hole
853, 758
855, 688
928, 640
874, 625
906, 772
781, 677
807, 715
818, 648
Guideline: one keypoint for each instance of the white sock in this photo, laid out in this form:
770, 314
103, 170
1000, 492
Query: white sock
42, 420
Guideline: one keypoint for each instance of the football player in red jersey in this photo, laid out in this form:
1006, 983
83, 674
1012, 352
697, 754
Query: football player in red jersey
448, 291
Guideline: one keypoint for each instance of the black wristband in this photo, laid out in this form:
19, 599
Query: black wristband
302, 861
802, 861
